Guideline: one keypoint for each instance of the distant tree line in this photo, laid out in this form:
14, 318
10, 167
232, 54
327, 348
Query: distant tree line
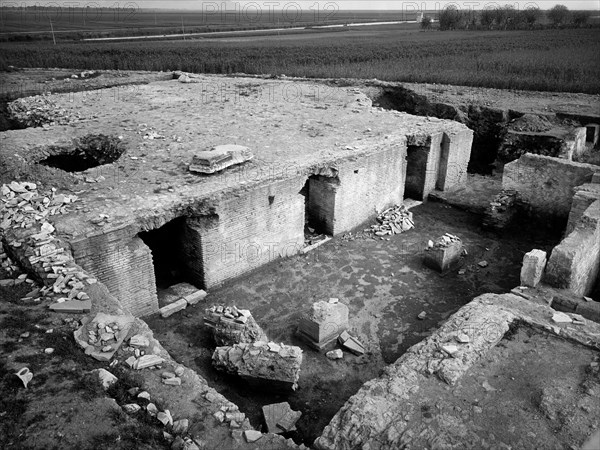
506, 18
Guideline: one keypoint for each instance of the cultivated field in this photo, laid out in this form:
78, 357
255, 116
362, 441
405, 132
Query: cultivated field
546, 60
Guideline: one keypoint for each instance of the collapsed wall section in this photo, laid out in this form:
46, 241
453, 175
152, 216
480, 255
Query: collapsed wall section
121, 261
575, 262
546, 185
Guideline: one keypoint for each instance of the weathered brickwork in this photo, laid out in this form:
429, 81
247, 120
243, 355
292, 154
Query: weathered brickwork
124, 264
248, 231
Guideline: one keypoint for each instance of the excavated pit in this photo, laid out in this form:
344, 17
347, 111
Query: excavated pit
385, 285
84, 153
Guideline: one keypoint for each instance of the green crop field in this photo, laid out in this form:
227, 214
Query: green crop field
548, 60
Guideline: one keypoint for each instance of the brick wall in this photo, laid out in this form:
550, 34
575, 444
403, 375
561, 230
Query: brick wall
546, 185
124, 264
368, 185
247, 231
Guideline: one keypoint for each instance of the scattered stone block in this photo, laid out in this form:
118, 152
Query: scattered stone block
180, 426
444, 253
179, 371
560, 317
335, 354
131, 408
106, 378
533, 267
451, 349
145, 395
147, 361
280, 418
139, 341
195, 297
72, 306
165, 417
172, 308
252, 435
175, 381
463, 338
483, 264
152, 409
323, 324
351, 343
422, 315
260, 366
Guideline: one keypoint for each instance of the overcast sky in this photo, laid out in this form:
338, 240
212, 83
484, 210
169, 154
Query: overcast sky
305, 4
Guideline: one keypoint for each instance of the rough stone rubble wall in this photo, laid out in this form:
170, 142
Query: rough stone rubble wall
575, 262
124, 264
546, 185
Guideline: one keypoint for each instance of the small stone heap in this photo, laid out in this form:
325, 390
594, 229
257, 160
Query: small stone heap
231, 325
102, 337
325, 322
501, 210
39, 111
443, 253
394, 220
261, 363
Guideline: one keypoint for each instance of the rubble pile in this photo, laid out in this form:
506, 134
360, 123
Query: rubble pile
231, 325
444, 253
102, 336
277, 365
38, 111
501, 210
23, 207
325, 322
394, 220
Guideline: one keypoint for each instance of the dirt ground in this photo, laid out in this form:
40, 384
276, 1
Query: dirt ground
63, 406
533, 390
385, 285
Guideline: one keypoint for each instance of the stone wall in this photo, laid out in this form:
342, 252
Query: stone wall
454, 159
585, 195
546, 185
247, 231
574, 263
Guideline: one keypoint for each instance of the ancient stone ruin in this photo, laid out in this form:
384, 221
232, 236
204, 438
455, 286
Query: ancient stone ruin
161, 207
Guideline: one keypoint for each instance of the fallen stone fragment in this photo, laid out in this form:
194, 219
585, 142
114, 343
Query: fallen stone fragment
335, 354
233, 326
462, 338
195, 297
252, 435
323, 324
72, 306
147, 361
219, 158
165, 417
139, 340
25, 375
144, 395
279, 412
273, 347
165, 375
422, 315
482, 263
451, 349
180, 426
179, 371
175, 381
49, 351
258, 365
351, 343
152, 409
560, 317
172, 308
106, 378
131, 408
220, 416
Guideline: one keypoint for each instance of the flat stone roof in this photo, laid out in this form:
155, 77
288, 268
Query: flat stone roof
291, 127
